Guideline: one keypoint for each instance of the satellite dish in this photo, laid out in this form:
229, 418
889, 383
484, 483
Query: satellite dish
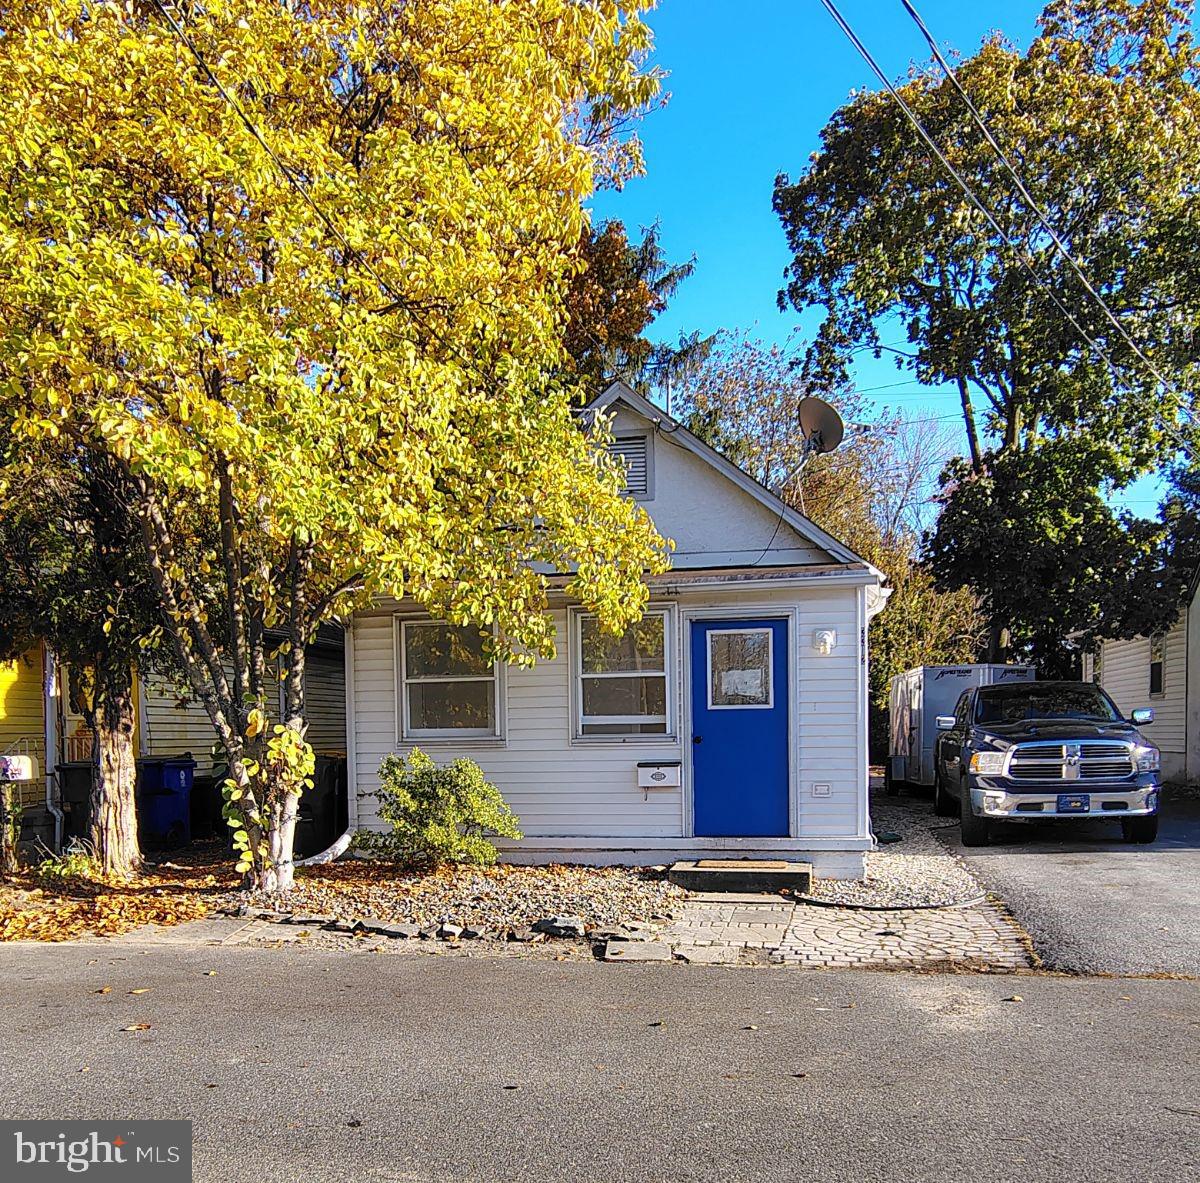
821, 424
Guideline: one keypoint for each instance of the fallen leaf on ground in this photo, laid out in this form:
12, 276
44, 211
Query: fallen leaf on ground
137, 1027
103, 990
1013, 998
141, 990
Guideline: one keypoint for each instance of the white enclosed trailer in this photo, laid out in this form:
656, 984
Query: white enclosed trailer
917, 698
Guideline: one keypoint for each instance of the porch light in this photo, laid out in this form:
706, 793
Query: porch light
824, 641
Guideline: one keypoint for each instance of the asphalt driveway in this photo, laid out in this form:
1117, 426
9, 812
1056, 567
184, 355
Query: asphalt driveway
1091, 903
334, 1066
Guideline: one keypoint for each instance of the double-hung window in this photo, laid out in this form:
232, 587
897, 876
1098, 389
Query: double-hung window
448, 682
623, 684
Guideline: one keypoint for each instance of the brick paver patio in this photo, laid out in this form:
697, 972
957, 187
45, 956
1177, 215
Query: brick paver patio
801, 934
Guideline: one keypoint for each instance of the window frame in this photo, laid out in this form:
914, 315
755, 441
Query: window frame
769, 705
670, 734
1158, 642
405, 732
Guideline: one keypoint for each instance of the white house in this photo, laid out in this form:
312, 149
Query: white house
1162, 672
732, 721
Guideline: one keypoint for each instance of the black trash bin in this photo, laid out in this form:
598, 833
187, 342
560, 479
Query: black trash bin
323, 809
75, 789
207, 804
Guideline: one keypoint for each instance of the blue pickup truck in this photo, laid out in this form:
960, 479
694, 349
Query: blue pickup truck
1038, 750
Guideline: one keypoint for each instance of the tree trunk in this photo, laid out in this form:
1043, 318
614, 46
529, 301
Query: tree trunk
8, 829
114, 832
279, 874
998, 644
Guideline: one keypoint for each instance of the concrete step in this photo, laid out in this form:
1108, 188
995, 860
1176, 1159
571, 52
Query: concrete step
738, 875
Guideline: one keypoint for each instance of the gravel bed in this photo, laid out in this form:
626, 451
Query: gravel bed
917, 871
492, 899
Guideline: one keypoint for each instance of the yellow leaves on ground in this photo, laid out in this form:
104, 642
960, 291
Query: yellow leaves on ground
59, 919
67, 910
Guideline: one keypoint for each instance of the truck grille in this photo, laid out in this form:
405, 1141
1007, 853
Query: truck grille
1086, 760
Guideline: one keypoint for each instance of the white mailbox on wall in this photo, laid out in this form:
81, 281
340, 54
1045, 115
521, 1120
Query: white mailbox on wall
18, 768
664, 775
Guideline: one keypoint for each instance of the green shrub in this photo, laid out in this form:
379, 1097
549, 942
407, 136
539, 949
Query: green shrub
77, 862
438, 815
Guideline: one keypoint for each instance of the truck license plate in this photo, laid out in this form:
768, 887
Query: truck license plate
1074, 802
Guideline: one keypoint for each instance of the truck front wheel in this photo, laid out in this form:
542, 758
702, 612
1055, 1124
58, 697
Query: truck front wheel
974, 829
1140, 829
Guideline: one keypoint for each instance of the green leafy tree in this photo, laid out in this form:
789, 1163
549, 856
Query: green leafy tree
300, 270
74, 577
1056, 560
1100, 115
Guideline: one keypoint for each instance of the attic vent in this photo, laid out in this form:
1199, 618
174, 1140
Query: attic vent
632, 450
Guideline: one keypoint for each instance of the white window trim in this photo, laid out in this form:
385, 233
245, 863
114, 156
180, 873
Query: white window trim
405, 733
769, 705
575, 659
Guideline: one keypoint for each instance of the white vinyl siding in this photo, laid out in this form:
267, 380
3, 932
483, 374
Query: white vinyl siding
1125, 674
713, 523
173, 722
325, 700
559, 788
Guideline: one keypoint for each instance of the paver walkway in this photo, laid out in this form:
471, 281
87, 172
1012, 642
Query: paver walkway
801, 934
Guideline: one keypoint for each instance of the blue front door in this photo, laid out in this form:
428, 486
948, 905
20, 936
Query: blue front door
740, 728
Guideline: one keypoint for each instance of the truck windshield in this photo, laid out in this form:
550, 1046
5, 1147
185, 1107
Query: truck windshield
1056, 700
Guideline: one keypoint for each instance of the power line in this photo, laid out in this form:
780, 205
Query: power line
288, 174
1017, 251
1028, 197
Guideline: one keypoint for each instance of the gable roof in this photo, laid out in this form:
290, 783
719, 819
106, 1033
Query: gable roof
621, 392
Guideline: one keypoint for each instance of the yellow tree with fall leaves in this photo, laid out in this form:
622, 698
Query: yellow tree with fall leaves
298, 269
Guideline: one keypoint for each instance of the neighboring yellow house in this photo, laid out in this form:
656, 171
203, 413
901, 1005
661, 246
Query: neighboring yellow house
23, 718
39, 711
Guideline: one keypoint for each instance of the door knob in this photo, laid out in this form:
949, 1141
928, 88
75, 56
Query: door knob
697, 739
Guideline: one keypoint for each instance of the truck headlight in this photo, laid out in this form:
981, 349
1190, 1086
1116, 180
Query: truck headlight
1146, 759
988, 763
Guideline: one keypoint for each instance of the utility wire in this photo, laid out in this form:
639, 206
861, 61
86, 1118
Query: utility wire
287, 172
1028, 197
1021, 256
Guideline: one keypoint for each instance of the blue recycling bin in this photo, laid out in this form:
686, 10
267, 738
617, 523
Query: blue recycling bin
165, 802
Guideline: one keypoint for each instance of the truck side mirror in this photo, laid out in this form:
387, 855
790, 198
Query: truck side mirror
1142, 716
945, 722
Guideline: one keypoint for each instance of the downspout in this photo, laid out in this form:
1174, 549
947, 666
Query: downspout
50, 736
343, 842
863, 757
871, 600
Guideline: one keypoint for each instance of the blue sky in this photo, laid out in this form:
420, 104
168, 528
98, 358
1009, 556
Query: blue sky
752, 84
